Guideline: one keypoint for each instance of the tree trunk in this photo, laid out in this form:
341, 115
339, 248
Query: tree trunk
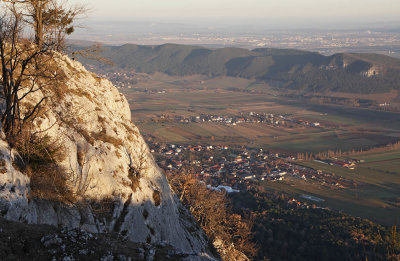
38, 6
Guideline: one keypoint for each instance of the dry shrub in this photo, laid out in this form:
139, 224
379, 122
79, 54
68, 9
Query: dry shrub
101, 119
81, 157
134, 177
157, 198
3, 166
212, 211
137, 166
50, 182
38, 151
59, 84
59, 91
56, 86
2, 162
102, 135
38, 159
71, 122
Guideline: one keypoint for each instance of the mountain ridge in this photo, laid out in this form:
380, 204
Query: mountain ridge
295, 69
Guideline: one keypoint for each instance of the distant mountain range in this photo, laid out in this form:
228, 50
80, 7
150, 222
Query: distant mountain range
285, 68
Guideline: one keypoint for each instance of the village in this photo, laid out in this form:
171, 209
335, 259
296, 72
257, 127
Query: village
244, 117
238, 168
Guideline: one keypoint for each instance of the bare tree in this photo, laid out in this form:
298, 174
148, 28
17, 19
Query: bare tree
91, 53
24, 70
59, 20
80, 173
51, 20
212, 211
32, 12
139, 163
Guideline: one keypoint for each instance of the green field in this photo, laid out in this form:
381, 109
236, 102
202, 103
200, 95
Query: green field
377, 195
380, 156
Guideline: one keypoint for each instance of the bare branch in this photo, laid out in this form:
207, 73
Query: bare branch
92, 53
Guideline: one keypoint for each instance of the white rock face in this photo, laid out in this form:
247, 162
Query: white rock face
373, 71
92, 121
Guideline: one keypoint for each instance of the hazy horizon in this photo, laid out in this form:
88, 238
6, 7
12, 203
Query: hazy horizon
384, 10
259, 14
255, 23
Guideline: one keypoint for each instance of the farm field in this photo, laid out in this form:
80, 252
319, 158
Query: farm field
343, 128
260, 136
377, 194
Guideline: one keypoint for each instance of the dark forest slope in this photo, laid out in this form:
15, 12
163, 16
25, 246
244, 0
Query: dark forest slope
295, 69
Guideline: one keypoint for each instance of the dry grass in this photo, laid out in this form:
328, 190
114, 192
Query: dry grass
97, 78
102, 135
59, 85
130, 129
59, 91
81, 93
56, 86
85, 134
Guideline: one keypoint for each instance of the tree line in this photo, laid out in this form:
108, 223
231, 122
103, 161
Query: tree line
231, 233
339, 153
287, 231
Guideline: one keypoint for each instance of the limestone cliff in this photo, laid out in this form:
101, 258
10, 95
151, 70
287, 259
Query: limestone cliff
106, 159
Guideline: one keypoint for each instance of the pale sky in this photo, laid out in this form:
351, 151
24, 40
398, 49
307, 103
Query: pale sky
243, 8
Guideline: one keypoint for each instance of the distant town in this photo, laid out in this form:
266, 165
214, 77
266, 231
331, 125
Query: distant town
244, 117
373, 40
237, 168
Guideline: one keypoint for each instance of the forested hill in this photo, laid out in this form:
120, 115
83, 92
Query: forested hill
309, 71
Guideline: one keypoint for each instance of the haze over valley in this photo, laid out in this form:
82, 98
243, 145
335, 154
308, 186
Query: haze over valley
327, 37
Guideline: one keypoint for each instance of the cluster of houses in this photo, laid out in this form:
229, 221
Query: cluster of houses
239, 167
119, 79
339, 163
127, 80
244, 117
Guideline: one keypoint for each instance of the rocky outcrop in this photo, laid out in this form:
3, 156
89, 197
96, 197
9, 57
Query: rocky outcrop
372, 71
42, 242
107, 160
